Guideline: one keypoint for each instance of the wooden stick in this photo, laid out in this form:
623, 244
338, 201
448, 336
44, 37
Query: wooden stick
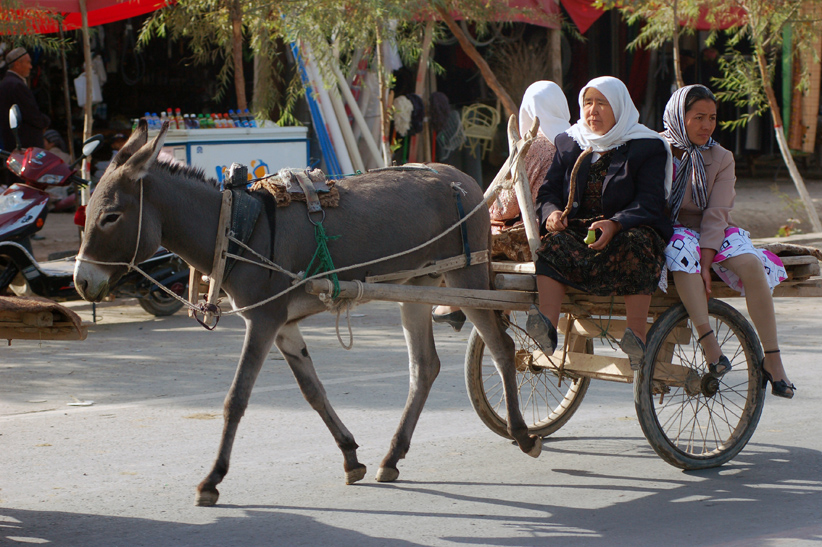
573, 189
220, 247
463, 298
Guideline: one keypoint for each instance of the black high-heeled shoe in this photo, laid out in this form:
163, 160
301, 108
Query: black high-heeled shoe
722, 365
780, 388
456, 319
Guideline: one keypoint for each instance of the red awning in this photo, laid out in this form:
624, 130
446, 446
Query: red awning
100, 12
582, 13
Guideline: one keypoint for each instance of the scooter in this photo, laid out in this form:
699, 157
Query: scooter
23, 211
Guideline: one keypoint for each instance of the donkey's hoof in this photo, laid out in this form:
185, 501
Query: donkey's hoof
387, 474
355, 475
207, 498
537, 449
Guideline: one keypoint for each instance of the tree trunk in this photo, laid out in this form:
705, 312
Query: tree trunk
237, 54
783, 144
487, 73
555, 55
680, 83
88, 117
420, 147
384, 119
66, 91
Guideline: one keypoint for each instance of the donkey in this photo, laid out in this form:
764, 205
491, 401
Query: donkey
379, 214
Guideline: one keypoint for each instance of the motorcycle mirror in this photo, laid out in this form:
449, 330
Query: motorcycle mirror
14, 120
89, 146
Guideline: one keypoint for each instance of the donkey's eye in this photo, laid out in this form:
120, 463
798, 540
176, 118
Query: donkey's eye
110, 218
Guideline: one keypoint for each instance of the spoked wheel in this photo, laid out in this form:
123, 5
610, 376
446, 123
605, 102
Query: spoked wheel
691, 419
546, 401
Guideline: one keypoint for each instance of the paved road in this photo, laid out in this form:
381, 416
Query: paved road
122, 471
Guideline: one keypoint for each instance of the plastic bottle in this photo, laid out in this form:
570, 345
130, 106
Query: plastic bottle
181, 124
235, 119
156, 119
149, 121
169, 115
251, 121
201, 123
214, 121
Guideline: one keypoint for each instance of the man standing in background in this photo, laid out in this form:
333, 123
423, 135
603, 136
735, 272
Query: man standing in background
14, 89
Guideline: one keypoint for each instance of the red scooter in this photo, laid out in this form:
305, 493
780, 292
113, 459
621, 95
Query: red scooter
24, 205
23, 210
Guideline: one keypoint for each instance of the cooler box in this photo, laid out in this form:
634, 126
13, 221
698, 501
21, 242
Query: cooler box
264, 150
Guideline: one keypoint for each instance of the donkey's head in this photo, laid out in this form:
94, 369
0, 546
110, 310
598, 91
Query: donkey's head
113, 217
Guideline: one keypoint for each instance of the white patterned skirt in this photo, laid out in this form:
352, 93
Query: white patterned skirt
683, 254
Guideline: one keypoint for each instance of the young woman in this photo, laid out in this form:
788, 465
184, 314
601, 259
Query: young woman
544, 100
701, 200
620, 193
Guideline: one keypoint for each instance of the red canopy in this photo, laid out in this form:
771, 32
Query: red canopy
100, 12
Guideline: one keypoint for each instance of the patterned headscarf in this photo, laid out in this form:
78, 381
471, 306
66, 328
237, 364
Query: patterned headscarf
627, 125
692, 165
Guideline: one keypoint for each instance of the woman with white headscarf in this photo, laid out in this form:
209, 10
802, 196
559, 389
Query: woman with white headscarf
546, 101
620, 194
705, 238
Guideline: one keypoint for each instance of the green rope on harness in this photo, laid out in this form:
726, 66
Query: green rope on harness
322, 256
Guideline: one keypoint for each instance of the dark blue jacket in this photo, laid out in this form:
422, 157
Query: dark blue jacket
633, 192
13, 90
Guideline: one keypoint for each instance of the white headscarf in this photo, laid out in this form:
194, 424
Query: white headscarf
627, 125
544, 100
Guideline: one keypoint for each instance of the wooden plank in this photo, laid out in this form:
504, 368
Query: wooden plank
44, 333
616, 369
218, 265
466, 298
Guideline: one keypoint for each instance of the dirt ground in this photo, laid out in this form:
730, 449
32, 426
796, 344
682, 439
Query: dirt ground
761, 207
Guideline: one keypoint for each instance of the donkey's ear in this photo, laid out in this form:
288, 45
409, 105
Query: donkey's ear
141, 160
136, 141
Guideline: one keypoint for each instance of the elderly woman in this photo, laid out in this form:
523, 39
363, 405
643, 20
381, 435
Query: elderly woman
546, 101
705, 238
620, 194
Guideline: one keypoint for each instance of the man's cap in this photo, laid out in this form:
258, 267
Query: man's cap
15, 54
52, 135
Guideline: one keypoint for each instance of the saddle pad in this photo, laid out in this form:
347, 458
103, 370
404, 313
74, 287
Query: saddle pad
285, 187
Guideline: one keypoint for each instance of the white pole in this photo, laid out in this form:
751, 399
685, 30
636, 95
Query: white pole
328, 113
358, 117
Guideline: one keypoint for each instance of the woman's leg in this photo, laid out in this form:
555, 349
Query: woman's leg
760, 307
691, 291
551, 293
636, 311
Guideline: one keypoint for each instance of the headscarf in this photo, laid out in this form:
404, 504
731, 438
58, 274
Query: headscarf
544, 100
627, 125
692, 165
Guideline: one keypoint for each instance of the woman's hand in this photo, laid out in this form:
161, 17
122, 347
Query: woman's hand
608, 229
705, 263
555, 222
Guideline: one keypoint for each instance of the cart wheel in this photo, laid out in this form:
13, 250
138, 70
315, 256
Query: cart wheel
692, 420
546, 402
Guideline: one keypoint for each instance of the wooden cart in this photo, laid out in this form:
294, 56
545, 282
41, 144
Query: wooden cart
691, 419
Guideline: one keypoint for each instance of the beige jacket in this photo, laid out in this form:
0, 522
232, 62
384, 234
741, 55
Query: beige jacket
721, 178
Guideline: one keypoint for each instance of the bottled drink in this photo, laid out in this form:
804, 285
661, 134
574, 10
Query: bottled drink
156, 119
201, 123
179, 117
149, 121
235, 119
251, 121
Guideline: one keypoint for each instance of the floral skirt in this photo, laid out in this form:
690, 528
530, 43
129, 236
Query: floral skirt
631, 263
683, 254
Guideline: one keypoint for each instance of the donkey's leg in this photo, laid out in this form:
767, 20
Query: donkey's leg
424, 366
258, 338
291, 344
490, 326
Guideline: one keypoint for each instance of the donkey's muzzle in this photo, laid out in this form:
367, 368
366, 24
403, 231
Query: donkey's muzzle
90, 281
